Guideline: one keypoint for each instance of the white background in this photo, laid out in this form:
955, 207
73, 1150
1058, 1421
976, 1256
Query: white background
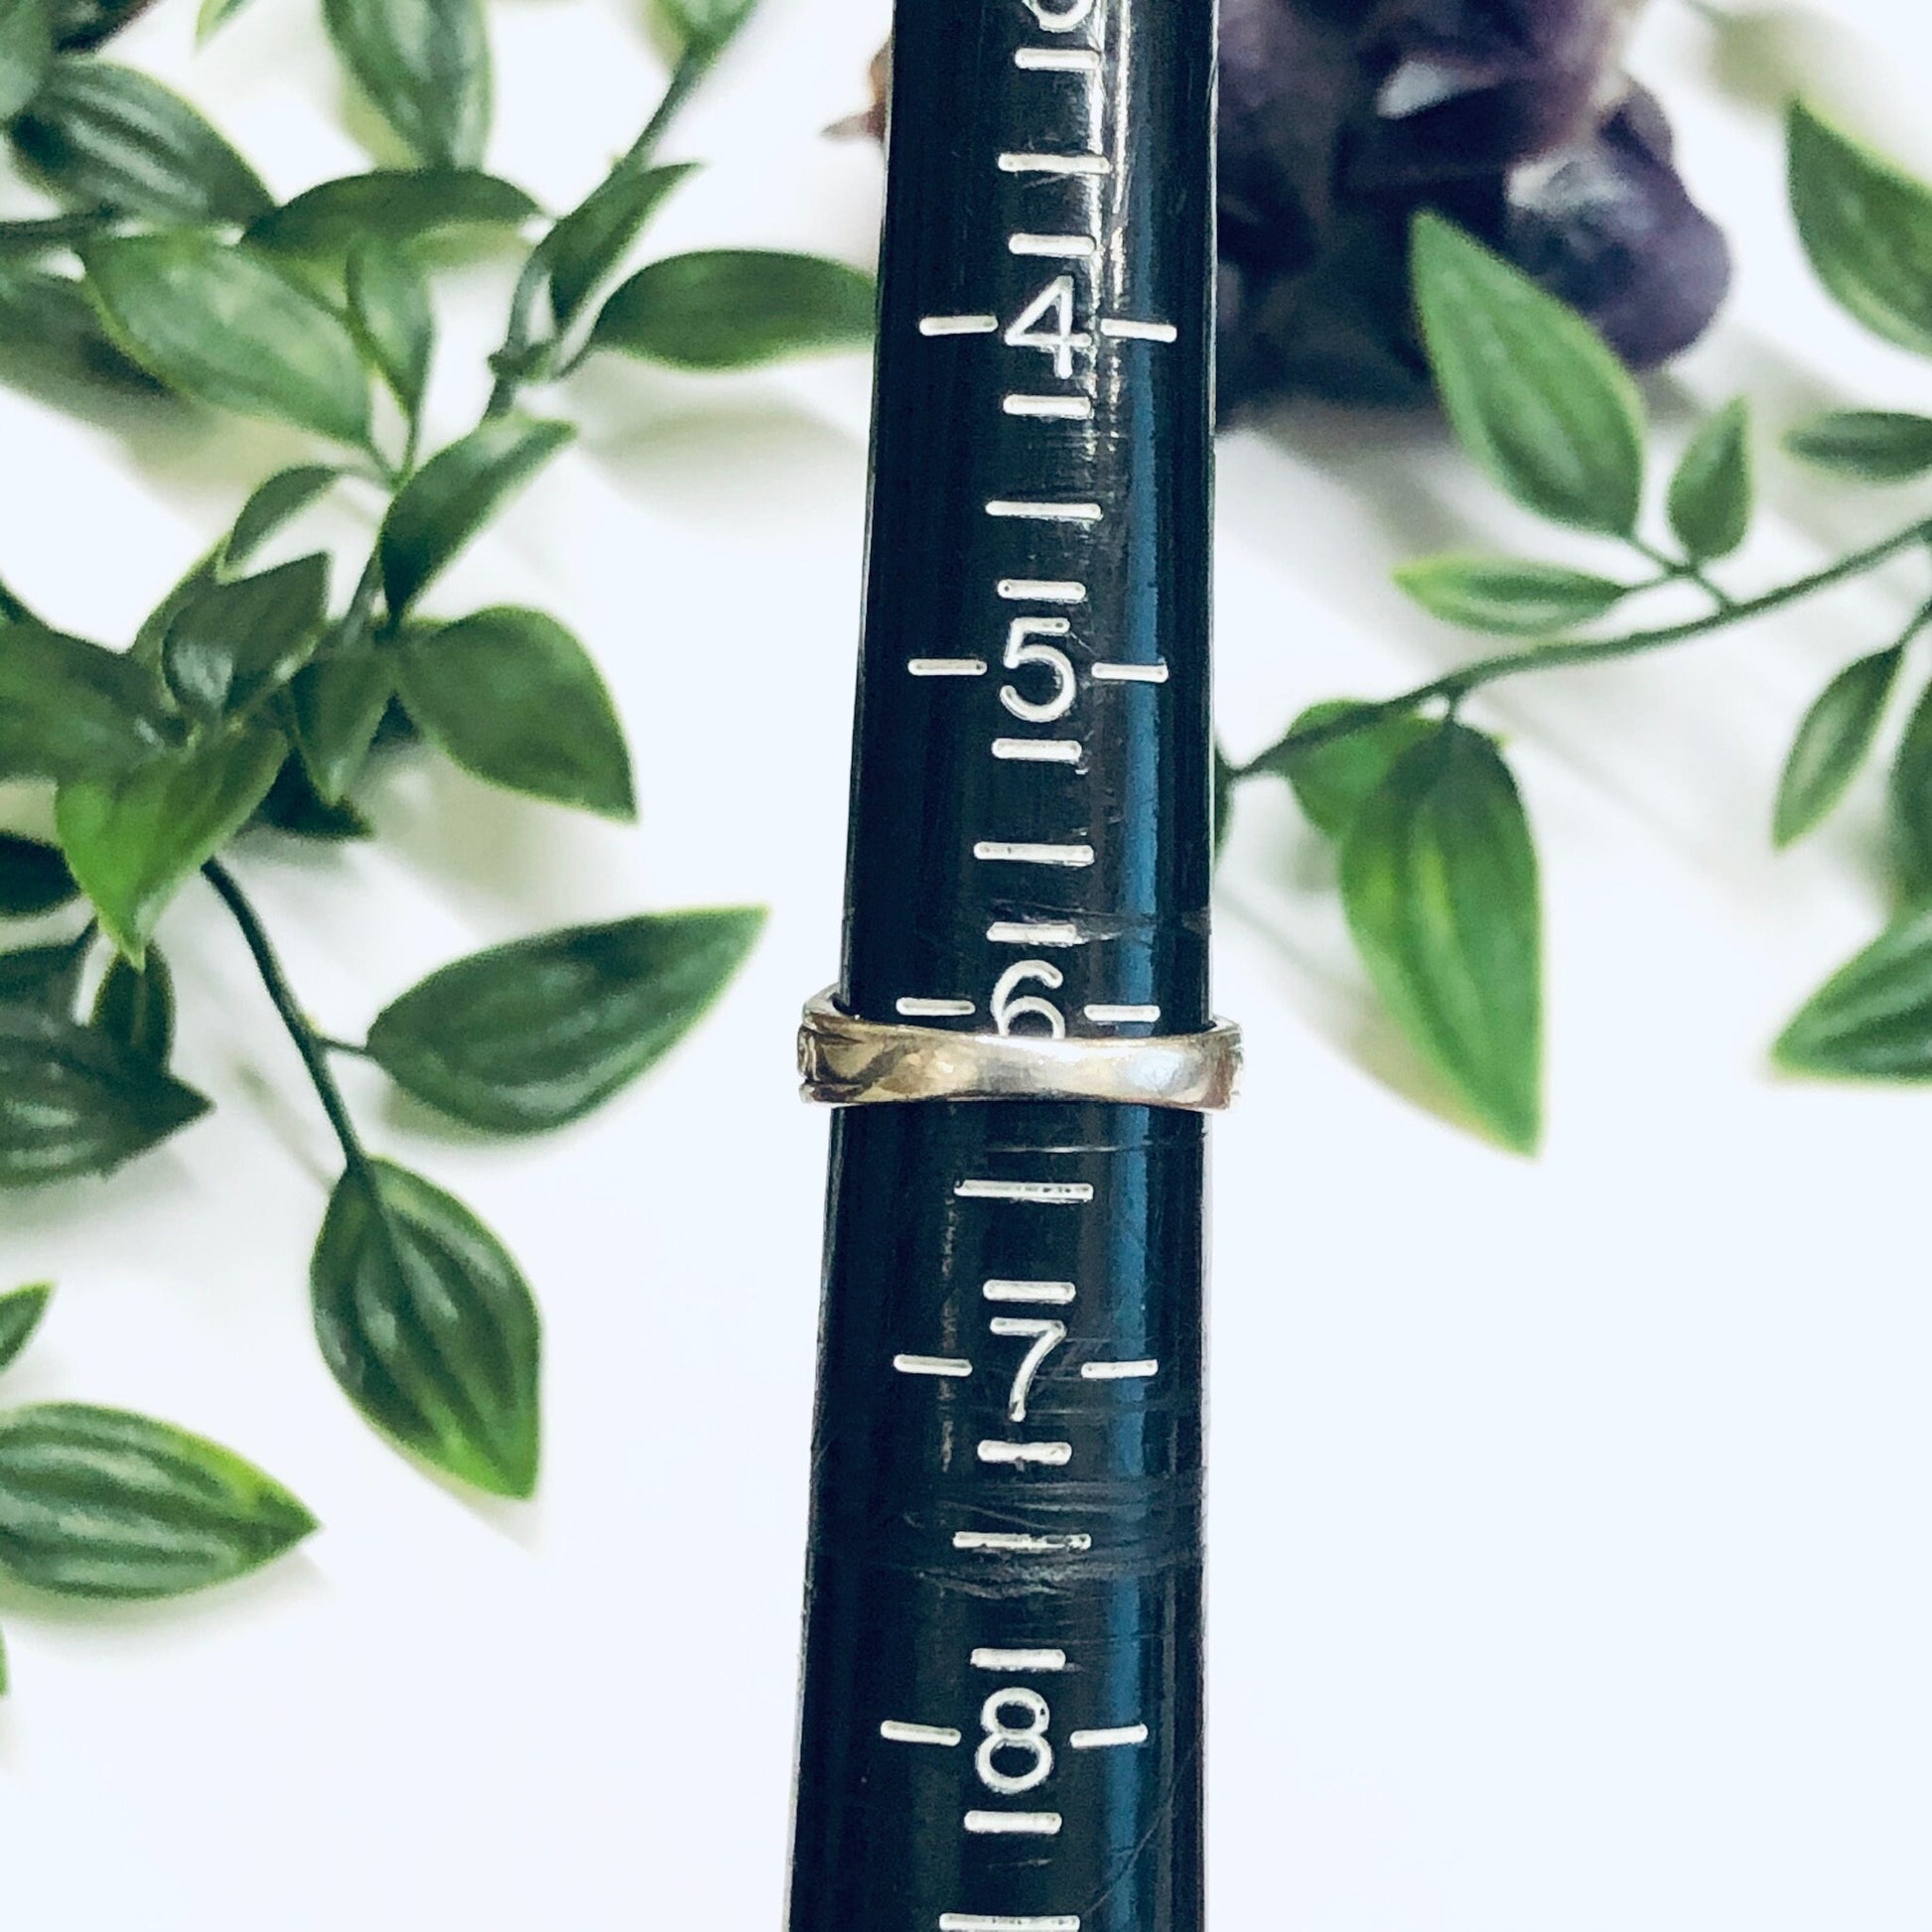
1569, 1518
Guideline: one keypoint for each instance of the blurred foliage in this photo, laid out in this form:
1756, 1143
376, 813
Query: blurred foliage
253, 701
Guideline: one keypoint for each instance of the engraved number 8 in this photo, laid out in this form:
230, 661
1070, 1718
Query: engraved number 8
1014, 1741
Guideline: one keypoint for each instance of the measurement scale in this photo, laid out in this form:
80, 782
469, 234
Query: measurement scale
1000, 1724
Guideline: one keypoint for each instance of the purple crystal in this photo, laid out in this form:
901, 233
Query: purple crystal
1514, 117
1341, 118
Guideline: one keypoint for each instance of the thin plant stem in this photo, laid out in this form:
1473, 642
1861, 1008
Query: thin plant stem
40, 234
309, 1042
1454, 686
1684, 570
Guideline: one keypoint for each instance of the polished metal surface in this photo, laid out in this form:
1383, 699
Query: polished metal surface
846, 1061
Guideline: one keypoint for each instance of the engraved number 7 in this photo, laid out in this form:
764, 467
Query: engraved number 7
1047, 1337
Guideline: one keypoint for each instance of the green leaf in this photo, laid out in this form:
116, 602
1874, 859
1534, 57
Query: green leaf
1530, 388
1509, 595
131, 840
706, 26
233, 642
423, 65
1876, 445
1873, 1019
34, 878
100, 1503
1911, 804
26, 53
274, 503
1333, 780
1832, 742
136, 1006
513, 697
453, 494
75, 1102
1439, 879
80, 25
391, 205
731, 308
1711, 495
389, 304
70, 708
524, 1037
428, 1327
104, 136
48, 977
212, 15
51, 333
338, 701
590, 241
226, 326
294, 806
1866, 226
20, 1316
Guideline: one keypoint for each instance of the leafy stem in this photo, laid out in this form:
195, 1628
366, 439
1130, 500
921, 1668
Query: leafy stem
1685, 570
1454, 686
521, 360
308, 1042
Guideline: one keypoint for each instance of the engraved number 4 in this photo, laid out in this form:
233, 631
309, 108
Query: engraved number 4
1029, 329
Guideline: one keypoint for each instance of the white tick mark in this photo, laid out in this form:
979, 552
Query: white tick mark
1156, 673
1008, 1544
935, 1008
1035, 933
896, 1732
1019, 1660
1038, 751
1034, 510
1056, 164
946, 666
1067, 409
1057, 59
1007, 1922
1053, 1295
1028, 1824
1004, 1922
1122, 330
1020, 853
1047, 1193
1118, 1371
1055, 247
944, 1365
1041, 590
958, 325
1106, 1740
1119, 1015
1052, 1455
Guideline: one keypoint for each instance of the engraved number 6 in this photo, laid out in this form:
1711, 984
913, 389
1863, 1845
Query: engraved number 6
1006, 1007
1021, 652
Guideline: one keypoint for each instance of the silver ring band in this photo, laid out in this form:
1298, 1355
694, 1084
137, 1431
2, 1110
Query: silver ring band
848, 1062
